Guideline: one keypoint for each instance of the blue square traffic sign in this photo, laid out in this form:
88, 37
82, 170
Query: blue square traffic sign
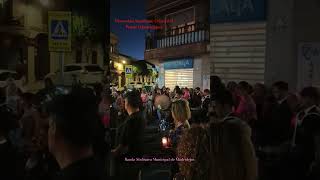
59, 29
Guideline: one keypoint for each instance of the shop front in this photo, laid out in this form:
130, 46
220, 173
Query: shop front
178, 72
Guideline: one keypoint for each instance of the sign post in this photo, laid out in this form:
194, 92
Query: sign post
60, 36
129, 72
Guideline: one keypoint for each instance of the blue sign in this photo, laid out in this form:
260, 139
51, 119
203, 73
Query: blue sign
179, 64
59, 29
222, 11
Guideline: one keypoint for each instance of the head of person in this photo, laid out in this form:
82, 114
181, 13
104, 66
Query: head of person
48, 83
180, 111
243, 88
197, 90
213, 149
73, 120
223, 104
176, 88
206, 92
132, 101
216, 83
179, 94
280, 90
309, 96
259, 90
231, 86
158, 91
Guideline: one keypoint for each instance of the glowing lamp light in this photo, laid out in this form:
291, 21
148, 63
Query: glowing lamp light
164, 141
124, 62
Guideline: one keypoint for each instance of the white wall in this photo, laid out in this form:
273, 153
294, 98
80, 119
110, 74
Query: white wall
197, 72
281, 63
290, 23
237, 51
307, 28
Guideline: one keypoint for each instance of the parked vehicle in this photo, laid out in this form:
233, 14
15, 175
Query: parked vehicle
5, 74
79, 73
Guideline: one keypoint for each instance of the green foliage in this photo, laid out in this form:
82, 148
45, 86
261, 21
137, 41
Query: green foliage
89, 19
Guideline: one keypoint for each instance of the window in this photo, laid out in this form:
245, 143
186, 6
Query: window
93, 69
72, 68
78, 56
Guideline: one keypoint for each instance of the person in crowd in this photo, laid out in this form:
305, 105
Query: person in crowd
232, 87
12, 94
216, 86
259, 95
131, 138
181, 115
144, 97
307, 135
167, 92
221, 150
280, 118
41, 164
178, 94
104, 109
295, 107
205, 103
195, 105
48, 91
10, 164
73, 122
196, 98
246, 109
186, 94
29, 124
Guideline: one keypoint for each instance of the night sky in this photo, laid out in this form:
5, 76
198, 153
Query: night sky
131, 42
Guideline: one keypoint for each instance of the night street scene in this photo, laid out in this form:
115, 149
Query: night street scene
159, 90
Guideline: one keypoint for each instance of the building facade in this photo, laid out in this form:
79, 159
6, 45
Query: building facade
266, 41
24, 40
238, 40
179, 48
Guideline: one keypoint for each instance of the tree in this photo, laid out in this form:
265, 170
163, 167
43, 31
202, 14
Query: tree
90, 22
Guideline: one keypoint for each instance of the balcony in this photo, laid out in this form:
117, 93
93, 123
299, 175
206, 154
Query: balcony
191, 40
188, 34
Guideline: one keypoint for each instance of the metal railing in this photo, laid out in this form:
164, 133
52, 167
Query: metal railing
187, 34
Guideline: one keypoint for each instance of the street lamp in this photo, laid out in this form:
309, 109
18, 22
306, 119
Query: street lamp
124, 62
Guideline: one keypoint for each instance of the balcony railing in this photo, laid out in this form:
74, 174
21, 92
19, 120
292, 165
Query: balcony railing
188, 34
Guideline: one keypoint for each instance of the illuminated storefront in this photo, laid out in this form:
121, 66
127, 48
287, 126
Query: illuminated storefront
178, 73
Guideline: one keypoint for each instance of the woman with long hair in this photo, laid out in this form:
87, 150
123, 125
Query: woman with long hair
219, 151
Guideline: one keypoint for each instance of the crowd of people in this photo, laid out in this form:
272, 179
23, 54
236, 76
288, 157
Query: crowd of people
233, 131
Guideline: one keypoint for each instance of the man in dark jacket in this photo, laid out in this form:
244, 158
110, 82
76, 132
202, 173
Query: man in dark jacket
131, 138
281, 115
73, 124
307, 133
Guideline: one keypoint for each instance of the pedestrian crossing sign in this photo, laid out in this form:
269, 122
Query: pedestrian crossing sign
59, 31
128, 71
